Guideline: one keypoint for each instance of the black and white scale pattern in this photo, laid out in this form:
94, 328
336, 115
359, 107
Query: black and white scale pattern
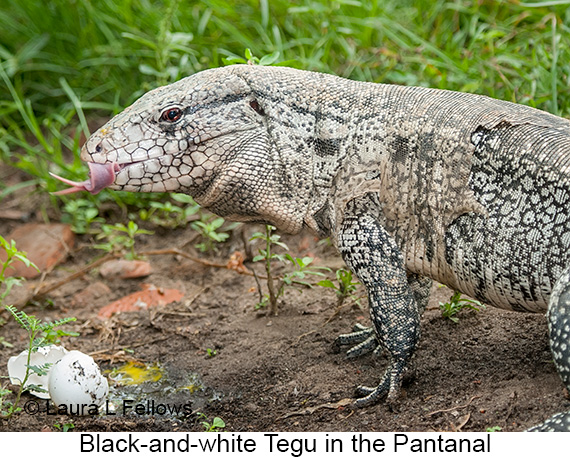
513, 255
376, 259
411, 184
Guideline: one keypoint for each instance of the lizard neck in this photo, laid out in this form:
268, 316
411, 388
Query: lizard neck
347, 149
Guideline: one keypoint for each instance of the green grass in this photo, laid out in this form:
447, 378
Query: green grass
65, 64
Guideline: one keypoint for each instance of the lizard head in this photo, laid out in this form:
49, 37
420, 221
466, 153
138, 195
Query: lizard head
212, 135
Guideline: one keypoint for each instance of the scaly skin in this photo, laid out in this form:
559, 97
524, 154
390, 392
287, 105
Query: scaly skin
411, 184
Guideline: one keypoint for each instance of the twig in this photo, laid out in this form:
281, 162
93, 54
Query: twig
339, 404
197, 260
47, 288
174, 313
454, 408
337, 311
55, 285
183, 254
259, 290
300, 337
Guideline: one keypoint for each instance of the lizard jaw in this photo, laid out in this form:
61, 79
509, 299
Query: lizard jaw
101, 175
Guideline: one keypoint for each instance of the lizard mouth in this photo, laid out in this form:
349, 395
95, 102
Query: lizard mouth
101, 175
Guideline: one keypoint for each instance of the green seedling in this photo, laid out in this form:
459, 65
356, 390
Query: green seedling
276, 285
8, 282
209, 229
211, 352
456, 304
53, 336
346, 286
302, 267
170, 215
120, 238
6, 407
64, 426
250, 59
12, 255
81, 214
215, 426
496, 428
271, 240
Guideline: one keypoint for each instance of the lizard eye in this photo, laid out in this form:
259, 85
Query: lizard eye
171, 115
255, 105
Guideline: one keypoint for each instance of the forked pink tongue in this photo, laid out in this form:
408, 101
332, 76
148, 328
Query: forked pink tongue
101, 175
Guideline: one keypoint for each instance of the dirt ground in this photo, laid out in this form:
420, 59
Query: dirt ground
259, 373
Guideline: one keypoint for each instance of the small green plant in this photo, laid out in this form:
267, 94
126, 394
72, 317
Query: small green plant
346, 286
209, 229
215, 426
170, 215
271, 240
5, 406
268, 59
64, 426
81, 214
120, 238
496, 428
301, 268
12, 255
211, 352
456, 304
52, 335
8, 282
39, 334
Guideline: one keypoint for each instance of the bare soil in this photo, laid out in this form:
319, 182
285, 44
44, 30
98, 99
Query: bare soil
258, 373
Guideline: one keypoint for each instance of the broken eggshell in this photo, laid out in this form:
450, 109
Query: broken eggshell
17, 367
76, 384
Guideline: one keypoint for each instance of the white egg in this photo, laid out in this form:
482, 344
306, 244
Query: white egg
76, 384
45, 354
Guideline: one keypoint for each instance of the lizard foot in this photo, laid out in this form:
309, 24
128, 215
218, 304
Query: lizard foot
372, 395
362, 338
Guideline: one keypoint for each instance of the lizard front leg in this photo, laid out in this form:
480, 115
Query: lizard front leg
364, 340
374, 257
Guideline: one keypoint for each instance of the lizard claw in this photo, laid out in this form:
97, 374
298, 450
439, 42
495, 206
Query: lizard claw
362, 338
364, 391
371, 395
389, 386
